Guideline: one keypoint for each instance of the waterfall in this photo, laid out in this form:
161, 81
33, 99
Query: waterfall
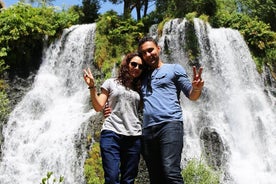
234, 114
232, 124
46, 129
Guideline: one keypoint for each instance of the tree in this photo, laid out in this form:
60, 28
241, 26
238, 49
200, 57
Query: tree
23, 30
263, 9
179, 8
90, 10
130, 5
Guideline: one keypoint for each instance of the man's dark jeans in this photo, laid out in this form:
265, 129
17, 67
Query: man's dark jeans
120, 157
161, 148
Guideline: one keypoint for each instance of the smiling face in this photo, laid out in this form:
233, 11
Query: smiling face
135, 66
150, 53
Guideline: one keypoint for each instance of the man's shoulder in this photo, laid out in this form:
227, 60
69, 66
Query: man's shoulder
174, 66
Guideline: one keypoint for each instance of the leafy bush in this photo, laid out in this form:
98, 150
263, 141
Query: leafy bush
24, 30
196, 172
115, 37
93, 166
49, 180
4, 105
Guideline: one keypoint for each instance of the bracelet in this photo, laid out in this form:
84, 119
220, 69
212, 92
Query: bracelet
91, 87
196, 89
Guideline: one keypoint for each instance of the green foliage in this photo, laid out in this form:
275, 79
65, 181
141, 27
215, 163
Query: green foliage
48, 180
204, 17
4, 105
264, 10
196, 172
191, 46
191, 16
161, 26
23, 30
93, 170
3, 66
115, 37
88, 12
179, 8
227, 5
23, 20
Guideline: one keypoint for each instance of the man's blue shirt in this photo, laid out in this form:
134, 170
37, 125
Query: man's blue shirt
161, 91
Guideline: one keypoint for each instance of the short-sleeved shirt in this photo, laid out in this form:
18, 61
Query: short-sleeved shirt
124, 103
161, 104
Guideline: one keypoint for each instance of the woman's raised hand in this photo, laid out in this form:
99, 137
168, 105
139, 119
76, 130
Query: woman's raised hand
88, 77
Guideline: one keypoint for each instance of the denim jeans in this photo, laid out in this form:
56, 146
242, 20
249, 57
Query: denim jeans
120, 157
162, 148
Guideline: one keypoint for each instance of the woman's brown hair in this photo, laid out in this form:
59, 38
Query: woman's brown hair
125, 78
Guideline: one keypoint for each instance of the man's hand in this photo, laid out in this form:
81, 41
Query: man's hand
107, 110
197, 82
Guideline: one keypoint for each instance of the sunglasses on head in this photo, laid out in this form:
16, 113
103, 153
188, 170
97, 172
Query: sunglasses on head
134, 65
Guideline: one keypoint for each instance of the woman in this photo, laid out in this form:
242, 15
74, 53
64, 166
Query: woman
120, 135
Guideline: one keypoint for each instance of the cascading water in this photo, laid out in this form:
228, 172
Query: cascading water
47, 127
232, 124
234, 109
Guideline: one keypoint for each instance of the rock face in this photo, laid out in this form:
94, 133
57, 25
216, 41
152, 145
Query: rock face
16, 90
215, 150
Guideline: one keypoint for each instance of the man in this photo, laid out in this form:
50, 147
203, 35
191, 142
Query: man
162, 114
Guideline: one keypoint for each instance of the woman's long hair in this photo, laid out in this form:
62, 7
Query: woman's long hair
125, 78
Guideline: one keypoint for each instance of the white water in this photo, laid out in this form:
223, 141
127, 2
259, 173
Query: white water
47, 126
233, 103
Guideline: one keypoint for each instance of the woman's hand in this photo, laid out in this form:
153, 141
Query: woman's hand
88, 78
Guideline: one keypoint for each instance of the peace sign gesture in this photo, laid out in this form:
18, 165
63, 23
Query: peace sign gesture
197, 82
88, 77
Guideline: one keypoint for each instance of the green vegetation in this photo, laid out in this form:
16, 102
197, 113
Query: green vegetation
196, 172
25, 30
191, 46
114, 38
93, 166
4, 105
49, 180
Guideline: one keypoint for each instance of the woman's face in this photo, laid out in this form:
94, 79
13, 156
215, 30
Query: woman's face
135, 66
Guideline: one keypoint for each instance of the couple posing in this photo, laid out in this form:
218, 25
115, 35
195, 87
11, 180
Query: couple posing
158, 86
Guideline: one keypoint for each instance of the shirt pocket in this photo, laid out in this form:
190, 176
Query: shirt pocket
160, 80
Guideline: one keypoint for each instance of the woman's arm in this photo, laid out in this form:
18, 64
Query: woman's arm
98, 100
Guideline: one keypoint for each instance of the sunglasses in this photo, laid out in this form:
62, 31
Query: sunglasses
134, 65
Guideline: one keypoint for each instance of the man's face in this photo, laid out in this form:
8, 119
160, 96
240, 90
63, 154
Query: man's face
150, 53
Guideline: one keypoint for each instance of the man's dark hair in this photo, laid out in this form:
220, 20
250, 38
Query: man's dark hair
146, 39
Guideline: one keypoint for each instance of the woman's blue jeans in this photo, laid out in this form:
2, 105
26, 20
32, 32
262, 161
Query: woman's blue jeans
162, 148
120, 157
